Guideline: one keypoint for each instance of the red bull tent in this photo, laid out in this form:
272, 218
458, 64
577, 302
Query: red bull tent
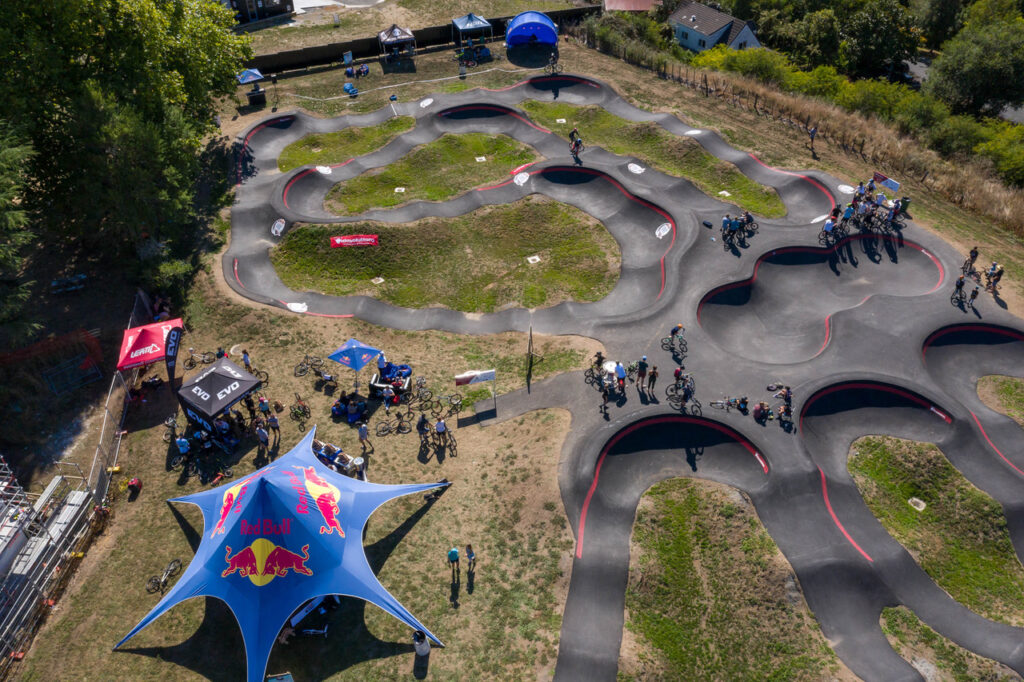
287, 533
144, 345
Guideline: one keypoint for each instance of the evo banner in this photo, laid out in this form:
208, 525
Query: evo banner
171, 346
354, 240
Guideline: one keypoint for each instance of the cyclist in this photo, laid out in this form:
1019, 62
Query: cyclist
552, 59
871, 186
741, 404
676, 331
726, 221
599, 359
829, 226
576, 146
734, 228
786, 394
574, 134
960, 287
641, 371
747, 218
423, 427
441, 431
860, 188
848, 213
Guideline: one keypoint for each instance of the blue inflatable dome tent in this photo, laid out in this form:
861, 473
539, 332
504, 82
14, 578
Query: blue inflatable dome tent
531, 27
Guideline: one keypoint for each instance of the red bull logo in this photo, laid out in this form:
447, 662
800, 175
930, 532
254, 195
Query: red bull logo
262, 561
326, 497
233, 499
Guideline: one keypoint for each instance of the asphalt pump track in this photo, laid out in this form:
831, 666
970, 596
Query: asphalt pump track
863, 330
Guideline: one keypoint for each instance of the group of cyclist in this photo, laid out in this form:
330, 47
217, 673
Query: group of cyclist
993, 275
867, 209
735, 229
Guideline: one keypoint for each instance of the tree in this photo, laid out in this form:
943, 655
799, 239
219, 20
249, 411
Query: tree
877, 38
981, 69
937, 19
115, 96
15, 154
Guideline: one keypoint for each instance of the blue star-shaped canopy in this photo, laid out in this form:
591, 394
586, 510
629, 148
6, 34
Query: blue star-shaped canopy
289, 532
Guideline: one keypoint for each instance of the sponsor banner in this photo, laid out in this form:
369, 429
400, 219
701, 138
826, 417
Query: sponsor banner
886, 181
354, 240
474, 377
171, 345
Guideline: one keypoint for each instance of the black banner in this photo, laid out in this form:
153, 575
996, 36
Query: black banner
171, 345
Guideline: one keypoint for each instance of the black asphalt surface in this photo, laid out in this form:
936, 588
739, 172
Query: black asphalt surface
863, 331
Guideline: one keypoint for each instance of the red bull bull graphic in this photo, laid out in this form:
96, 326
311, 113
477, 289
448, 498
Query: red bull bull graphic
262, 561
232, 499
326, 497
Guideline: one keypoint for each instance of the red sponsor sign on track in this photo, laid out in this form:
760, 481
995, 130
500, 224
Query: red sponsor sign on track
354, 240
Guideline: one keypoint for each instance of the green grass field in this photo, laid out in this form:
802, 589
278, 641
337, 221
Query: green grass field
708, 593
1009, 393
912, 638
960, 539
328, 148
473, 263
436, 171
682, 157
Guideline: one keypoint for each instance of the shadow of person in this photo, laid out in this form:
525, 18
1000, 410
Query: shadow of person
999, 302
976, 312
453, 597
470, 581
424, 454
692, 454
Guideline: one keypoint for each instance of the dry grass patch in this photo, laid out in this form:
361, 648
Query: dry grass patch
1003, 394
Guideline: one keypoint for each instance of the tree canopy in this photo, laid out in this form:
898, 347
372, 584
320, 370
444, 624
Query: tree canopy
115, 97
15, 153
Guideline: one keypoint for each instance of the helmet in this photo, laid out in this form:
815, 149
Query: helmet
644, 357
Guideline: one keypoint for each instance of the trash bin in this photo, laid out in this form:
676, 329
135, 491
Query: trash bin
904, 202
257, 97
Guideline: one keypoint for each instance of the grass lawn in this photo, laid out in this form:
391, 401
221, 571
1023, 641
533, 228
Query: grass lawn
1004, 394
504, 500
473, 263
960, 539
710, 596
913, 640
317, 27
436, 171
679, 156
328, 148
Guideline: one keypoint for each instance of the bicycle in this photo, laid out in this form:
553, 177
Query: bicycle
158, 583
576, 148
418, 396
400, 424
726, 404
210, 467
194, 358
752, 227
686, 383
674, 344
958, 297
302, 369
631, 371
260, 374
968, 267
299, 411
324, 379
171, 428
446, 405
553, 68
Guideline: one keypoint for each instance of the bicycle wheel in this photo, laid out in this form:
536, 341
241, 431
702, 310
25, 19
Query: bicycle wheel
823, 237
301, 369
167, 435
383, 428
153, 585
681, 343
173, 568
190, 362
190, 469
590, 376
177, 461
296, 413
314, 361
719, 404
455, 400
666, 343
227, 472
672, 390
263, 376
695, 409
403, 426
752, 228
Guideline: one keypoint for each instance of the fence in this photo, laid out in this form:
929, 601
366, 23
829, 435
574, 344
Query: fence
62, 522
367, 48
114, 409
968, 185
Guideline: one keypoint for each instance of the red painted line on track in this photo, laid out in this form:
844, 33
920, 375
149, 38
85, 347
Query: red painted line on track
875, 387
835, 519
523, 167
814, 182
245, 143
993, 445
236, 274
326, 315
633, 427
284, 195
820, 250
487, 107
969, 327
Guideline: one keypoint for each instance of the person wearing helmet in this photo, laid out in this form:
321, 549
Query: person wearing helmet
676, 331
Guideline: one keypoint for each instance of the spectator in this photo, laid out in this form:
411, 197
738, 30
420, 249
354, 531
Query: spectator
364, 436
262, 436
250, 406
423, 428
275, 426
641, 373
246, 362
651, 378
453, 559
388, 396
470, 558
221, 352
182, 444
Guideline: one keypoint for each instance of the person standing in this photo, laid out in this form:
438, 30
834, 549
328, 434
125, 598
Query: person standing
364, 436
470, 558
620, 376
263, 437
246, 362
651, 378
453, 560
604, 397
275, 426
813, 133
388, 396
641, 373
973, 298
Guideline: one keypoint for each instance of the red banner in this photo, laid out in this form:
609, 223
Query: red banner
354, 240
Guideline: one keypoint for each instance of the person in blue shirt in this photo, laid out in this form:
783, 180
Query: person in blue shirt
829, 225
182, 444
848, 213
726, 221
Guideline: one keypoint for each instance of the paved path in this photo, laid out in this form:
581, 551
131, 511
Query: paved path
863, 332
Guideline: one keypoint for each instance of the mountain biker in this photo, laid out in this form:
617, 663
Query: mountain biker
848, 213
829, 225
860, 188
576, 145
676, 331
574, 134
974, 296
973, 256
734, 227
747, 218
960, 285
182, 444
726, 221
741, 404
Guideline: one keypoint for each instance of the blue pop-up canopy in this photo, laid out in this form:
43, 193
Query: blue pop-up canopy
354, 354
249, 76
287, 533
530, 27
